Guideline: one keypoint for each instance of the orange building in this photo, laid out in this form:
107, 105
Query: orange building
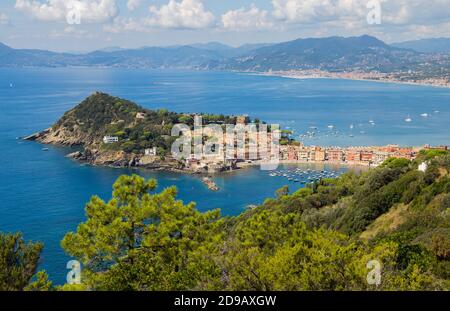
353, 156
334, 155
319, 154
366, 156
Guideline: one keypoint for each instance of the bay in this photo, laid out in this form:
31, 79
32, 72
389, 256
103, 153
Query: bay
43, 193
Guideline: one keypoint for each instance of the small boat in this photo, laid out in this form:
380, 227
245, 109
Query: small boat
424, 115
45, 149
408, 119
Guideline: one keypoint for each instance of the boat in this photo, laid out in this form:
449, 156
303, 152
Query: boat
45, 149
408, 119
424, 115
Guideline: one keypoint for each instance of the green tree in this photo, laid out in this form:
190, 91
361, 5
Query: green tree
143, 241
18, 261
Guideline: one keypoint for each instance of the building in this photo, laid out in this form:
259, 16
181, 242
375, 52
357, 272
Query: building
334, 155
353, 156
110, 139
293, 153
428, 147
303, 155
367, 156
319, 155
241, 120
152, 152
141, 115
423, 167
380, 156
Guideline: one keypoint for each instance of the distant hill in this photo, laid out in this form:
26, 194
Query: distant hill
333, 53
364, 53
433, 45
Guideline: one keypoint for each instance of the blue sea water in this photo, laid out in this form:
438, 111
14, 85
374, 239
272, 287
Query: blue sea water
43, 193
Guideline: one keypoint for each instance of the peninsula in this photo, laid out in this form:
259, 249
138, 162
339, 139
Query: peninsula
111, 131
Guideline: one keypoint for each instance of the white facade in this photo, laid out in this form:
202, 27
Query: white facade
110, 139
423, 167
150, 152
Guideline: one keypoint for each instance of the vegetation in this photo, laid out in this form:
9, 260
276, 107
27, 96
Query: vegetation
18, 264
317, 238
137, 128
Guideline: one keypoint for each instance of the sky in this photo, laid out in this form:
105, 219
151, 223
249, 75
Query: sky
86, 25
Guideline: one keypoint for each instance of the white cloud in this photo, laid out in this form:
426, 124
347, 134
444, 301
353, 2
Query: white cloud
4, 19
133, 4
242, 19
184, 14
90, 11
120, 25
313, 11
393, 12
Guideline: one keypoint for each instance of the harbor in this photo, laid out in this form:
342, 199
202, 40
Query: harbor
302, 176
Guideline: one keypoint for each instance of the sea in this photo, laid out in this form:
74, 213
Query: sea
43, 193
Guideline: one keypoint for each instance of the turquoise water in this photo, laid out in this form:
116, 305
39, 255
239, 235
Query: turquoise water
43, 193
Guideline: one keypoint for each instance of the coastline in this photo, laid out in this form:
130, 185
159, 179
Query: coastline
318, 77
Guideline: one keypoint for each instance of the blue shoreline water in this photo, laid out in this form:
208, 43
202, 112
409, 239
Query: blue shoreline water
43, 193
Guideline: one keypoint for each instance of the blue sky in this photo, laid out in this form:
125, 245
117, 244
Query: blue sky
85, 25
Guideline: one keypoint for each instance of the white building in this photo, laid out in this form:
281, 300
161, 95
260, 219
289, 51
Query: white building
151, 152
110, 139
423, 167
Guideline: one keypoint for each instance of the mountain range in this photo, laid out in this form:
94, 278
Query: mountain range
435, 45
363, 53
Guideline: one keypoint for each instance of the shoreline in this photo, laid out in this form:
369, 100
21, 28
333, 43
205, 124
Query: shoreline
314, 77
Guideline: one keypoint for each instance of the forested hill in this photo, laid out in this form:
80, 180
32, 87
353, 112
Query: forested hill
136, 128
318, 238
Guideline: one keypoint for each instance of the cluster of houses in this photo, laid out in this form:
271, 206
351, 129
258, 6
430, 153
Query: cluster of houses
370, 156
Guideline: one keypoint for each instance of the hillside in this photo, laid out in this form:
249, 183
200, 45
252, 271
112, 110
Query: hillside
332, 54
433, 45
313, 239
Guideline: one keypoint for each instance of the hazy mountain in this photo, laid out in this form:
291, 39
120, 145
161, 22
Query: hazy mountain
333, 54
433, 45
228, 51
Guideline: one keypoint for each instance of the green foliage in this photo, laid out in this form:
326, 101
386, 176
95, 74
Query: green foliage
41, 284
396, 163
18, 262
140, 241
311, 239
